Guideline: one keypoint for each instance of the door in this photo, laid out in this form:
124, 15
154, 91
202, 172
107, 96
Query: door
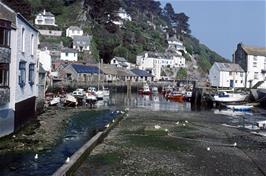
231, 83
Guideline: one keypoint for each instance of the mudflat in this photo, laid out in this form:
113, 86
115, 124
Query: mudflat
176, 143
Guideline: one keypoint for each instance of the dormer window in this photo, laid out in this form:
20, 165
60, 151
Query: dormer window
5, 28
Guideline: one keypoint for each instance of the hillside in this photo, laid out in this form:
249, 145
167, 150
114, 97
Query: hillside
145, 32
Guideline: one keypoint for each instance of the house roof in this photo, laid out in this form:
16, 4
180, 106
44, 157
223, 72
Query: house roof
229, 67
81, 40
109, 69
45, 13
86, 69
120, 59
68, 50
74, 28
255, 51
139, 72
124, 72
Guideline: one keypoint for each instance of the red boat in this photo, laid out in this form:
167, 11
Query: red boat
176, 96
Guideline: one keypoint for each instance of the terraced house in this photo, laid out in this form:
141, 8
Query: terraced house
18, 70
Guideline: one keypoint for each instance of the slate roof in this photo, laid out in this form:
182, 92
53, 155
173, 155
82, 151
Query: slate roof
255, 51
45, 13
229, 67
120, 59
139, 72
86, 69
81, 40
68, 50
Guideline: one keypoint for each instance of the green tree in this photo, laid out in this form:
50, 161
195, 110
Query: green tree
181, 74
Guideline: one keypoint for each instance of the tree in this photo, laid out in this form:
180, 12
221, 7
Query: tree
20, 6
182, 26
181, 74
169, 13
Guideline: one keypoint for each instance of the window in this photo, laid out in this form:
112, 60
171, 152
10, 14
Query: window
241, 81
241, 75
23, 40
254, 64
4, 74
235, 81
256, 75
32, 44
255, 58
31, 74
66, 54
230, 73
22, 74
4, 37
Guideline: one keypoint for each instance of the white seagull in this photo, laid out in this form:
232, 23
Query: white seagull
67, 160
36, 156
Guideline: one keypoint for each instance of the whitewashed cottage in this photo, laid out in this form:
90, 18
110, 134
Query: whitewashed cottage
18, 70
74, 31
227, 75
253, 61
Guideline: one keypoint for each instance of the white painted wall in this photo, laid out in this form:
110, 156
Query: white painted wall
23, 93
71, 33
254, 73
44, 20
69, 56
45, 59
50, 32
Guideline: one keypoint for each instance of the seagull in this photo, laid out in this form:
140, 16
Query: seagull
177, 122
235, 144
208, 148
67, 160
107, 125
186, 121
36, 156
157, 127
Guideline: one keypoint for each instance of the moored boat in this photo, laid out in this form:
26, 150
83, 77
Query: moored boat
154, 90
175, 95
145, 90
240, 107
225, 97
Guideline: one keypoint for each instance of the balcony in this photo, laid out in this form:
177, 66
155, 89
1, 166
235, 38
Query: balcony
4, 95
5, 55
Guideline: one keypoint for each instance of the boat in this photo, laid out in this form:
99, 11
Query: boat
226, 97
262, 96
98, 93
175, 95
188, 95
78, 93
145, 90
240, 107
90, 98
154, 90
70, 100
261, 124
55, 101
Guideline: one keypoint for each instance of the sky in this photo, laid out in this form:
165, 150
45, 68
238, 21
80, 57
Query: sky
222, 24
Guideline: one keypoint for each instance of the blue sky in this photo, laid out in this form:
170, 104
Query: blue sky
222, 24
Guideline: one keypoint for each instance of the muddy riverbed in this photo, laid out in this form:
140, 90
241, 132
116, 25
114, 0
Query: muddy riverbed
184, 143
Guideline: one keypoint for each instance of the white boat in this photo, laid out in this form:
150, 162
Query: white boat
145, 90
55, 101
99, 94
90, 98
70, 100
261, 124
154, 90
240, 107
78, 93
226, 97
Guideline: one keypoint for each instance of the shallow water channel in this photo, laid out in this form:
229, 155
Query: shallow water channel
82, 126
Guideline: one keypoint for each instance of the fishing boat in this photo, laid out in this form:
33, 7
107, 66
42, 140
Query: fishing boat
226, 97
98, 93
175, 95
145, 90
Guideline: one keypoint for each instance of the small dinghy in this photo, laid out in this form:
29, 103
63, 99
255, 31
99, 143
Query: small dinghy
240, 107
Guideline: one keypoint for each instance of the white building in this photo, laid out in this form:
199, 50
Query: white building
253, 61
176, 45
81, 43
45, 59
68, 54
120, 62
74, 31
18, 69
45, 18
227, 75
123, 15
155, 62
